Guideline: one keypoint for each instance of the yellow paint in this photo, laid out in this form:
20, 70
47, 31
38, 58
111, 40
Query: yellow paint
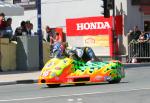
87, 71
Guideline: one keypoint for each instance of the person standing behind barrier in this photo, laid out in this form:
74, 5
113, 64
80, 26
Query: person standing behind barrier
134, 34
148, 43
2, 24
133, 37
56, 38
147, 36
143, 42
8, 30
21, 30
48, 37
31, 28
142, 38
28, 28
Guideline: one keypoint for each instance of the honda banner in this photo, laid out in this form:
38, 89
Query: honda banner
92, 26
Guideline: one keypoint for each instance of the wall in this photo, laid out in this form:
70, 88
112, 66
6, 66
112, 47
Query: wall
55, 12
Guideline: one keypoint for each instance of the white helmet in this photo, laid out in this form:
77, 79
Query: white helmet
79, 52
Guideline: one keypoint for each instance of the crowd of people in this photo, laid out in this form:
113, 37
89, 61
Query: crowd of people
5, 26
137, 35
139, 45
6, 31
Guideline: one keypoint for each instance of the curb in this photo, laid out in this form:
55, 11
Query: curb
133, 65
7, 83
28, 81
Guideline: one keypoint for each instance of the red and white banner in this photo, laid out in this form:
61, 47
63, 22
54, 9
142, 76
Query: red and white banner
95, 26
92, 26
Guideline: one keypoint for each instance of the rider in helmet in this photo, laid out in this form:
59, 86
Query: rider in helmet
82, 53
58, 50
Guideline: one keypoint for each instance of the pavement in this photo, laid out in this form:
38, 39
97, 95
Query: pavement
28, 77
18, 77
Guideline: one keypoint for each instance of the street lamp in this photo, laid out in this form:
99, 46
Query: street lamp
39, 31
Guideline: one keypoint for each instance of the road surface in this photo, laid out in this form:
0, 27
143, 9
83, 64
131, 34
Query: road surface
135, 88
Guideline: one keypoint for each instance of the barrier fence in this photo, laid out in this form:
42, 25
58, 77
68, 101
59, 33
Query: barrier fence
139, 50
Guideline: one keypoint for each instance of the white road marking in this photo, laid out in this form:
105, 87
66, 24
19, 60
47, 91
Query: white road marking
44, 97
79, 99
70, 100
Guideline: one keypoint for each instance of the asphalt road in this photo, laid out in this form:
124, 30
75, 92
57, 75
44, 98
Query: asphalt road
135, 88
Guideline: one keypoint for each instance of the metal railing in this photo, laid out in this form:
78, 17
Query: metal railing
139, 50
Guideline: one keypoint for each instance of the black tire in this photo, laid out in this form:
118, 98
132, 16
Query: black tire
79, 84
115, 81
53, 85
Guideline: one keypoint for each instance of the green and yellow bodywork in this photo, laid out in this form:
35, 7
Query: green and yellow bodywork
66, 70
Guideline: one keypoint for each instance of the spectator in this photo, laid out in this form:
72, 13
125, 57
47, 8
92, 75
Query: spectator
18, 31
55, 38
147, 36
143, 42
31, 28
134, 34
142, 38
49, 38
2, 24
8, 30
21, 30
28, 27
49, 35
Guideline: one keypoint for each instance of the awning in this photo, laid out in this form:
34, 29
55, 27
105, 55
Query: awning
11, 9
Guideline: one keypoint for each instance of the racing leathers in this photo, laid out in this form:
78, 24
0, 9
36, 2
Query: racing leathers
82, 53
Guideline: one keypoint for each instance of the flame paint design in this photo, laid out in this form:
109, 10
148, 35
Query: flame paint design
67, 68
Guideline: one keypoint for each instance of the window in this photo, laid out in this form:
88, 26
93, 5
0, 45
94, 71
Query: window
27, 4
